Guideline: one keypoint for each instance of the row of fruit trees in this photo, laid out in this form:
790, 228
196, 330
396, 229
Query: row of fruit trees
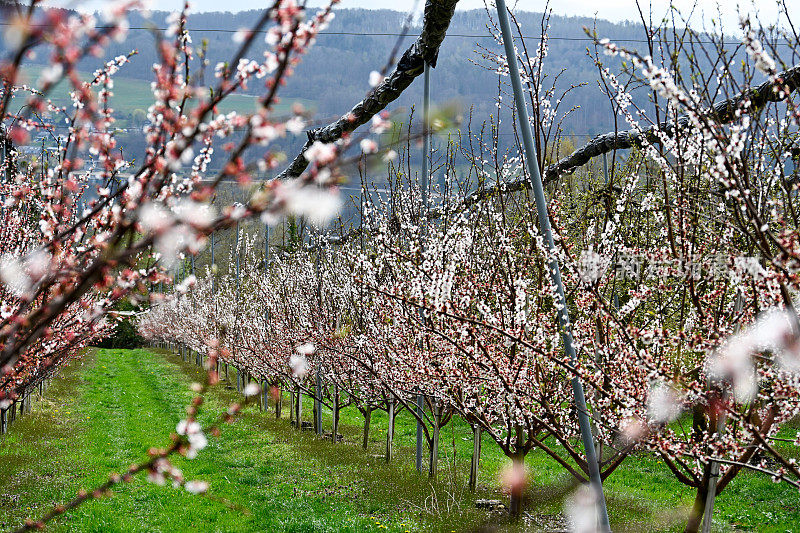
680, 263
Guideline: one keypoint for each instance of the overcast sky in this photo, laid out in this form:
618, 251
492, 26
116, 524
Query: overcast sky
616, 10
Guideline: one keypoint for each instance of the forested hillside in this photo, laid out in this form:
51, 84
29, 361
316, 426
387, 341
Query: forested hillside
359, 41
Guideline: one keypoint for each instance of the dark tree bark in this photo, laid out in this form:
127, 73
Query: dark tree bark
438, 15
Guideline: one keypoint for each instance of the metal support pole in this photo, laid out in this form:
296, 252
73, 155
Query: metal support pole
238, 265
266, 247
423, 185
424, 181
317, 400
555, 273
213, 275
708, 511
419, 433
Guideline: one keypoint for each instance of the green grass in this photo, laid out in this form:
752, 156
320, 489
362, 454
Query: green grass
105, 411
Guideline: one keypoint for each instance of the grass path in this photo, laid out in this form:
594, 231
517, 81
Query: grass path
104, 412
264, 476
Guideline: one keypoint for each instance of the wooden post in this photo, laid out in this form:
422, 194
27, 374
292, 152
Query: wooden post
390, 431
434, 457
367, 418
476, 457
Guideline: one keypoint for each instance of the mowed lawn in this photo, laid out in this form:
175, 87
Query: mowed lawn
104, 412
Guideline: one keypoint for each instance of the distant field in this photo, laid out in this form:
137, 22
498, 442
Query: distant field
132, 94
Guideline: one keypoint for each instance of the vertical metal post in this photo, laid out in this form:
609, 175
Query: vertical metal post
708, 511
424, 185
424, 182
213, 275
419, 433
238, 265
555, 273
318, 388
317, 396
5, 155
266, 246
266, 279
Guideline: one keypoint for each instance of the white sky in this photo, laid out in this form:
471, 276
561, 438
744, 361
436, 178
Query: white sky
615, 10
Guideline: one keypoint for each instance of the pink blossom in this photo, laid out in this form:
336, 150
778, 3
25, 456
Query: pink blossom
321, 153
368, 146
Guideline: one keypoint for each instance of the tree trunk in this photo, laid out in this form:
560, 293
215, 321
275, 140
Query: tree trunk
515, 507
390, 432
696, 514
3, 421
335, 431
292, 405
367, 418
476, 458
299, 418
278, 402
434, 457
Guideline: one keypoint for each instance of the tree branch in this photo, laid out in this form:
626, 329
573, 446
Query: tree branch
723, 112
438, 14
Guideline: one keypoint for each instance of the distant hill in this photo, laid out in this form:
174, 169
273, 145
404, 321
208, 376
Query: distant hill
335, 73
